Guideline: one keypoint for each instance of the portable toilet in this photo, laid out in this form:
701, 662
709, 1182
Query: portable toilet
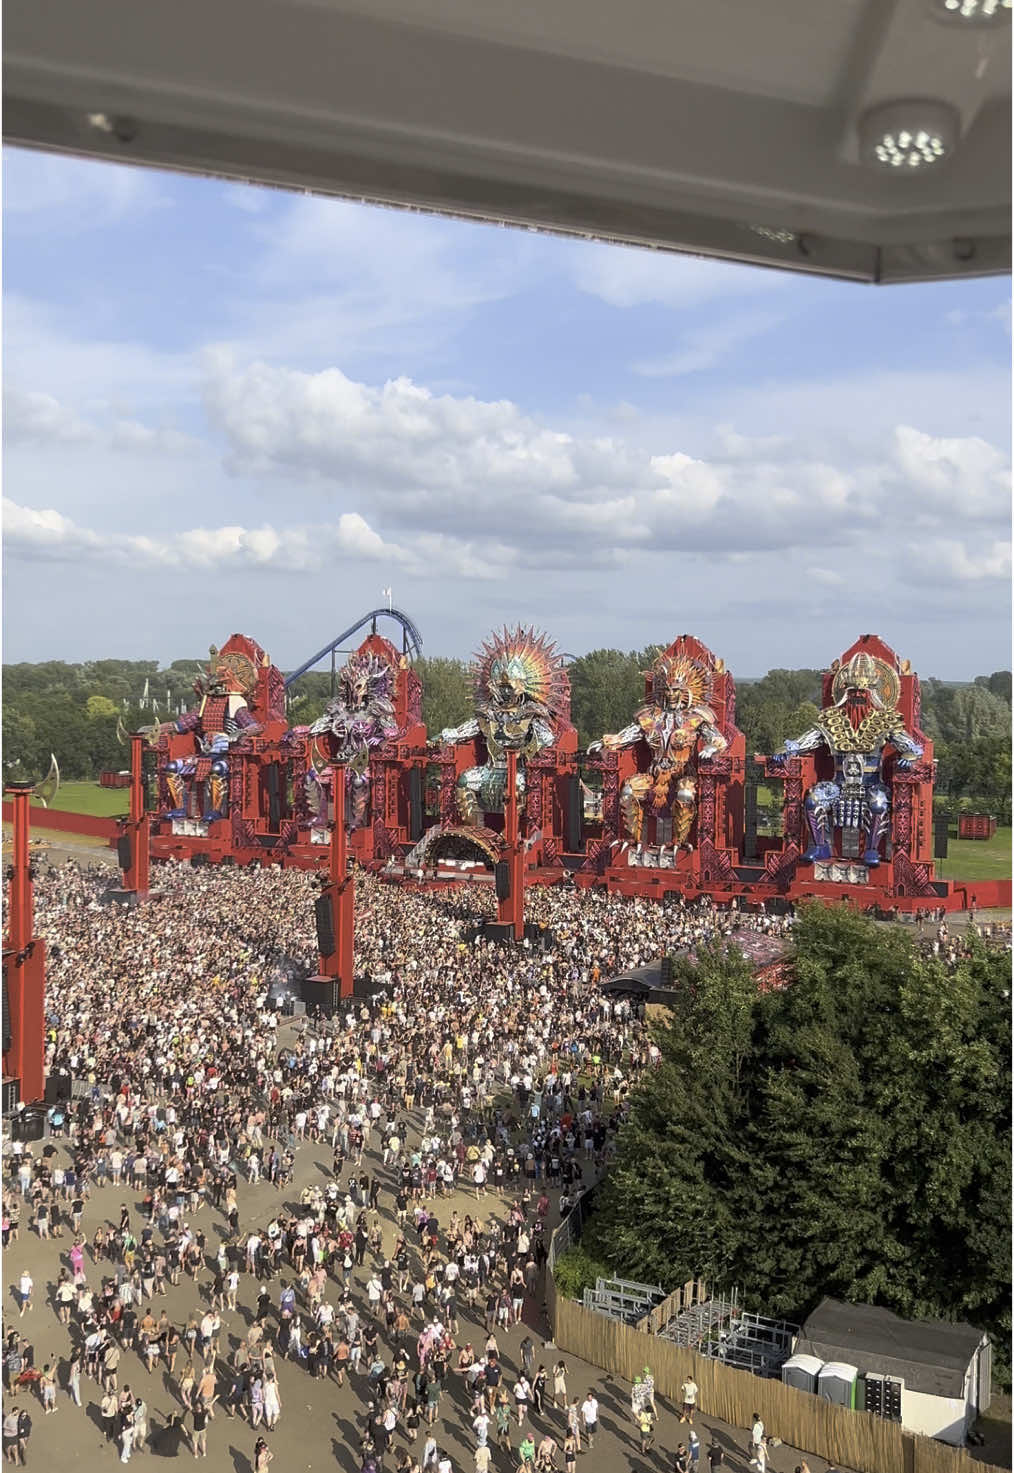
836, 1382
801, 1371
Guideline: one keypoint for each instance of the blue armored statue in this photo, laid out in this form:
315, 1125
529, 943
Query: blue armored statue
863, 721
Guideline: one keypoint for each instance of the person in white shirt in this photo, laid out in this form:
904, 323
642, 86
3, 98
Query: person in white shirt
590, 1417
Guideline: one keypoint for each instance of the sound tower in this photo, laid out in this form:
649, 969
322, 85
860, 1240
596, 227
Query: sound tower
124, 852
750, 821
325, 925
274, 806
8, 1037
502, 875
575, 814
667, 972
415, 804
941, 834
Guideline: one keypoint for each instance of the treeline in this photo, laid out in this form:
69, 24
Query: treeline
849, 1136
72, 710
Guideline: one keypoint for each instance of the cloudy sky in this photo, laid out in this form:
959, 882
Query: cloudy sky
230, 408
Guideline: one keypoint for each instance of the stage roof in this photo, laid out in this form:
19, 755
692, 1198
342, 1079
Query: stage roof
732, 128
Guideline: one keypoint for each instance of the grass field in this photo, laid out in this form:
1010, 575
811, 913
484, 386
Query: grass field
90, 798
977, 859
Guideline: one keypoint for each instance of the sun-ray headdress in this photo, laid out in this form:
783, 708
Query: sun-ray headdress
525, 662
670, 671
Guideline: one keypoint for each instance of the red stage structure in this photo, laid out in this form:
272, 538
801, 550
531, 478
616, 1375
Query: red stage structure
24, 968
133, 842
672, 781
670, 786
869, 741
222, 792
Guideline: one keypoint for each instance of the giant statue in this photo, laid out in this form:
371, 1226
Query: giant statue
221, 719
859, 730
358, 719
679, 728
521, 697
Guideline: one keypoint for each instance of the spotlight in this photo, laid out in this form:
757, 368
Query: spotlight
973, 12
908, 136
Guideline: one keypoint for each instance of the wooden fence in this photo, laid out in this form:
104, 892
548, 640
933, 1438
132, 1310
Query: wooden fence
854, 1440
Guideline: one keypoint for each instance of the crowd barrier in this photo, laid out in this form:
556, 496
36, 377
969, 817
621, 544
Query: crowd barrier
849, 1439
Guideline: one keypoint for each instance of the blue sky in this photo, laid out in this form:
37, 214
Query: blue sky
231, 408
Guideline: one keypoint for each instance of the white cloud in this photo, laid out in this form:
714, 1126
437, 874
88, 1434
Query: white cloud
702, 347
485, 473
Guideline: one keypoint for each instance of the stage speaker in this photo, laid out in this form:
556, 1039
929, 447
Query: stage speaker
502, 876
575, 815
941, 834
7, 1036
667, 971
124, 852
58, 1087
323, 993
325, 925
750, 821
11, 1095
196, 860
415, 804
274, 806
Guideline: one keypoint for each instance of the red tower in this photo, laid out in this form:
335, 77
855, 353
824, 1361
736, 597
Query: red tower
24, 966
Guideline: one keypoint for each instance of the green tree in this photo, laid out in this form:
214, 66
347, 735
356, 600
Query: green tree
97, 707
672, 1206
448, 698
848, 1136
607, 686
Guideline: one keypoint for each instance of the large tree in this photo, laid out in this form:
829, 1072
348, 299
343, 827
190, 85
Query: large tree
848, 1136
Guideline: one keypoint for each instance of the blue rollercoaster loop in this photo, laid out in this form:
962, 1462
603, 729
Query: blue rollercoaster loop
411, 640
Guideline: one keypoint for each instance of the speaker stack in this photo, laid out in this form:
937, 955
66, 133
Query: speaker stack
325, 925
941, 834
575, 814
415, 804
124, 852
274, 805
502, 877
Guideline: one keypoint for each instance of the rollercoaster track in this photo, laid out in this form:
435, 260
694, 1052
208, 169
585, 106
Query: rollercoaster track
411, 639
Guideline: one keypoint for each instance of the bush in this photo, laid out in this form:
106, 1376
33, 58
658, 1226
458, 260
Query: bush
577, 1270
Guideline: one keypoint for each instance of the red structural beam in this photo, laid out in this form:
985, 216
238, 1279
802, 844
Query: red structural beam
24, 962
339, 965
136, 826
511, 911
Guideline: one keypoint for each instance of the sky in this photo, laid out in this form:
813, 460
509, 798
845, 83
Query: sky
237, 409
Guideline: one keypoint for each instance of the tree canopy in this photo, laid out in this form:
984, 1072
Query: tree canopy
848, 1136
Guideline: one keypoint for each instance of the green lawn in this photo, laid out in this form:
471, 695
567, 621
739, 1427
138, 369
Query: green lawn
90, 798
977, 859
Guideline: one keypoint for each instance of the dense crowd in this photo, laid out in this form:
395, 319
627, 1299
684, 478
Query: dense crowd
463, 1104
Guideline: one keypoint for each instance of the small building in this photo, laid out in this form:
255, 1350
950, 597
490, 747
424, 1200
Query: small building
931, 1375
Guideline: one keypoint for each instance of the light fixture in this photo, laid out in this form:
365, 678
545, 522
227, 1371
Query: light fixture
768, 232
907, 137
973, 12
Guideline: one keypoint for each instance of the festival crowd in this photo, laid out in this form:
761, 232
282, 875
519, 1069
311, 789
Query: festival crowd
366, 1200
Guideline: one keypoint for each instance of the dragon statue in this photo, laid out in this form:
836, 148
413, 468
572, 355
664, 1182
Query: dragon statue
355, 721
222, 718
677, 724
863, 720
521, 694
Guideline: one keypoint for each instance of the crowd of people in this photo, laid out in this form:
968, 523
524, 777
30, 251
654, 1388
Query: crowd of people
446, 1120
